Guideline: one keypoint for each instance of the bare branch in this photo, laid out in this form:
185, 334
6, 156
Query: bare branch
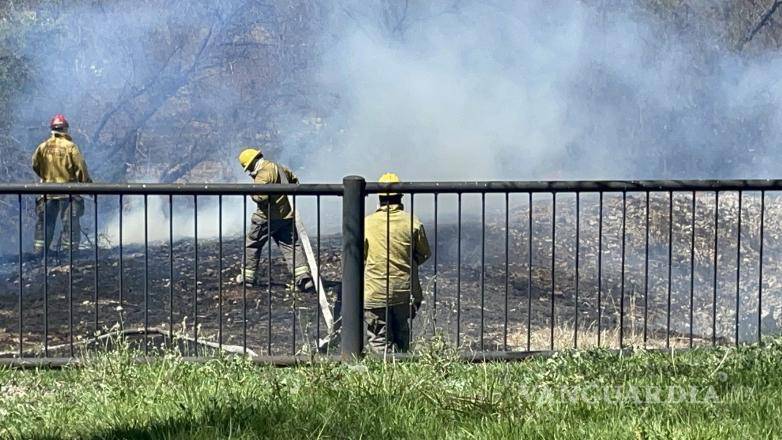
763, 20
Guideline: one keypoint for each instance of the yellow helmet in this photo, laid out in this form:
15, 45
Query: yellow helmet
389, 178
248, 156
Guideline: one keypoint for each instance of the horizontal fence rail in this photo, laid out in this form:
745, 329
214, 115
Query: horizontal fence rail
204, 189
595, 186
515, 267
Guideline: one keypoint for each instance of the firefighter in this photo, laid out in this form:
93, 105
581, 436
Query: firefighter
58, 160
275, 222
392, 290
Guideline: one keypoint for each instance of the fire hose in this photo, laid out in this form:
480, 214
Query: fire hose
332, 327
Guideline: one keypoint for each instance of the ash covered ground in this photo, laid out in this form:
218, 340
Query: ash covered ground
473, 298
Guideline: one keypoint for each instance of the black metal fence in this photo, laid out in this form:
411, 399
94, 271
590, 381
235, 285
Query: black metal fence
547, 266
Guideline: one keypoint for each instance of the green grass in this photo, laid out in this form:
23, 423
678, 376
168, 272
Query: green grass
738, 395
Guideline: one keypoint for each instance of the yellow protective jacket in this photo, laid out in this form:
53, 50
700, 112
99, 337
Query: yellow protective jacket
267, 172
58, 160
402, 278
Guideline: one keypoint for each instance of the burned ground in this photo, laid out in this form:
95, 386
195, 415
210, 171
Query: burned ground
473, 298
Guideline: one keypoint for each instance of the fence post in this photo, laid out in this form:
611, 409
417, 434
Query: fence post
352, 267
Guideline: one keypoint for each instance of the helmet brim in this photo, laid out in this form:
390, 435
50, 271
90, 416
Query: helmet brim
252, 161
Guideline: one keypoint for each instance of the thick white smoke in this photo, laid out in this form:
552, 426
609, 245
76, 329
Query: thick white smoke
536, 90
442, 90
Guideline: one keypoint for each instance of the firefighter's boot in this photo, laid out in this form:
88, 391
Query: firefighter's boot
246, 277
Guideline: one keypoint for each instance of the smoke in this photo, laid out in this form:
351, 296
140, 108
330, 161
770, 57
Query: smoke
157, 216
459, 90
537, 90
443, 90
440, 90
235, 219
157, 92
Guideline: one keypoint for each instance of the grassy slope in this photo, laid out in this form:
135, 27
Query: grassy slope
433, 398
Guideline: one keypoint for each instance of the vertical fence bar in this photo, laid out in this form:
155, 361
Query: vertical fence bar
146, 273
670, 266
318, 281
646, 273
46, 276
716, 243
459, 270
388, 277
600, 269
21, 281
529, 273
412, 267
220, 271
121, 262
70, 273
269, 273
353, 267
434, 284
738, 268
578, 247
622, 283
692, 269
170, 267
95, 257
293, 274
507, 274
195, 272
242, 269
483, 264
553, 263
760, 266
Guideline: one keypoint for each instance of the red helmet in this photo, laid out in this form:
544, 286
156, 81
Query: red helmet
58, 122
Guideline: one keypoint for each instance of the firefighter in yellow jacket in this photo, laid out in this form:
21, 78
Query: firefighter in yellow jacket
272, 222
392, 290
58, 160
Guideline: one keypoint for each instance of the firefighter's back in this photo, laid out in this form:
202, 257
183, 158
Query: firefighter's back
269, 172
53, 160
389, 240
